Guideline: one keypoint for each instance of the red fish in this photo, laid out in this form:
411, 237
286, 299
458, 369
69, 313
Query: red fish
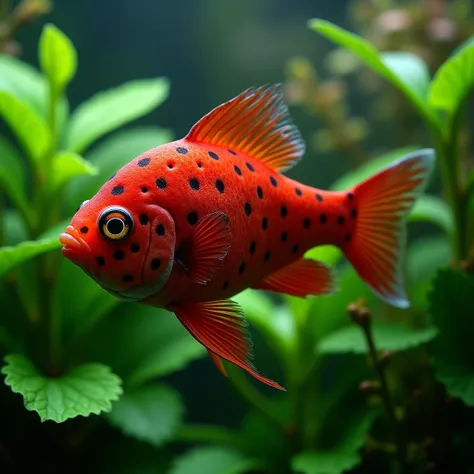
187, 225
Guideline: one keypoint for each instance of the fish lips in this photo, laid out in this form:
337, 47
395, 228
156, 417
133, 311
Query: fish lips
76, 249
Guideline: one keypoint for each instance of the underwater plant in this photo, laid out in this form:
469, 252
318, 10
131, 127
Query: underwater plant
371, 388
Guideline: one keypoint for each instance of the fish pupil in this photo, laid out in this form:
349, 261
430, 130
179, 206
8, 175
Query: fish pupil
115, 226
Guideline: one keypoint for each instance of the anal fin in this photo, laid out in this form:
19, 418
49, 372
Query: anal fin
301, 278
220, 327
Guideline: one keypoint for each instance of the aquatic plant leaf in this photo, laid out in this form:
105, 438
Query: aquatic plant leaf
25, 123
111, 155
156, 342
67, 165
434, 210
57, 56
343, 457
392, 68
387, 337
12, 176
452, 349
149, 413
83, 390
453, 81
22, 81
213, 460
276, 323
10, 257
109, 110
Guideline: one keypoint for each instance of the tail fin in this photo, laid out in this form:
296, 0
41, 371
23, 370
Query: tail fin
382, 204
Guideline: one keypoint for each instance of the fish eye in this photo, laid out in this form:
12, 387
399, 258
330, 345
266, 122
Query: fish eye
80, 205
115, 223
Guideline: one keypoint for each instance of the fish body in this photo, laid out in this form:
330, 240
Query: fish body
187, 225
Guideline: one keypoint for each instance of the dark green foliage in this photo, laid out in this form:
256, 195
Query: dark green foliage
369, 386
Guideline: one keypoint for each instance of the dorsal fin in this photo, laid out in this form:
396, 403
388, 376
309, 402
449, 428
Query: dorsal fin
256, 122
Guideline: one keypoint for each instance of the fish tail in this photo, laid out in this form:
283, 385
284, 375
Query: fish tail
380, 206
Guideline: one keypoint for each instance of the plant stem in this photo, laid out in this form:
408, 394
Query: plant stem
206, 434
386, 398
251, 395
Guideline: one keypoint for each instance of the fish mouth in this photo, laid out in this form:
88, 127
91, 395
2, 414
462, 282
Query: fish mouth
75, 248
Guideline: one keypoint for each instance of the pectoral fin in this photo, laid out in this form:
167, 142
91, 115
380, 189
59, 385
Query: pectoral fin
220, 326
301, 278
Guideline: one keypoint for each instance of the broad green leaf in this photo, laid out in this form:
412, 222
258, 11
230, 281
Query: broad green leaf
434, 210
213, 460
57, 56
10, 257
22, 81
453, 81
67, 165
12, 176
370, 168
453, 351
111, 155
85, 389
387, 337
109, 110
343, 457
328, 254
142, 343
275, 322
26, 124
149, 413
405, 71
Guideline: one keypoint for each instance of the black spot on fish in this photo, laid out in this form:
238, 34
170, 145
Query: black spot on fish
192, 218
84, 230
117, 190
298, 192
161, 183
264, 223
295, 248
323, 219
127, 278
134, 248
160, 229
182, 151
143, 162
155, 264
354, 212
284, 236
307, 223
194, 183
350, 196
250, 167
144, 189
283, 211
232, 152
340, 220
238, 170
259, 192
220, 185
100, 261
225, 285
253, 246
273, 181
319, 198
267, 256
242, 268
119, 255
248, 208
213, 155
143, 219
347, 238
170, 166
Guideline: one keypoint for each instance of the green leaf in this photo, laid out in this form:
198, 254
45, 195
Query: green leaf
275, 322
369, 168
451, 311
157, 344
26, 124
57, 56
10, 257
453, 81
67, 165
432, 209
150, 413
405, 71
387, 337
213, 460
12, 176
86, 389
109, 110
343, 457
112, 154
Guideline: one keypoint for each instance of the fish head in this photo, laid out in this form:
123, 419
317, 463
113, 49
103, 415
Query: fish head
127, 248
